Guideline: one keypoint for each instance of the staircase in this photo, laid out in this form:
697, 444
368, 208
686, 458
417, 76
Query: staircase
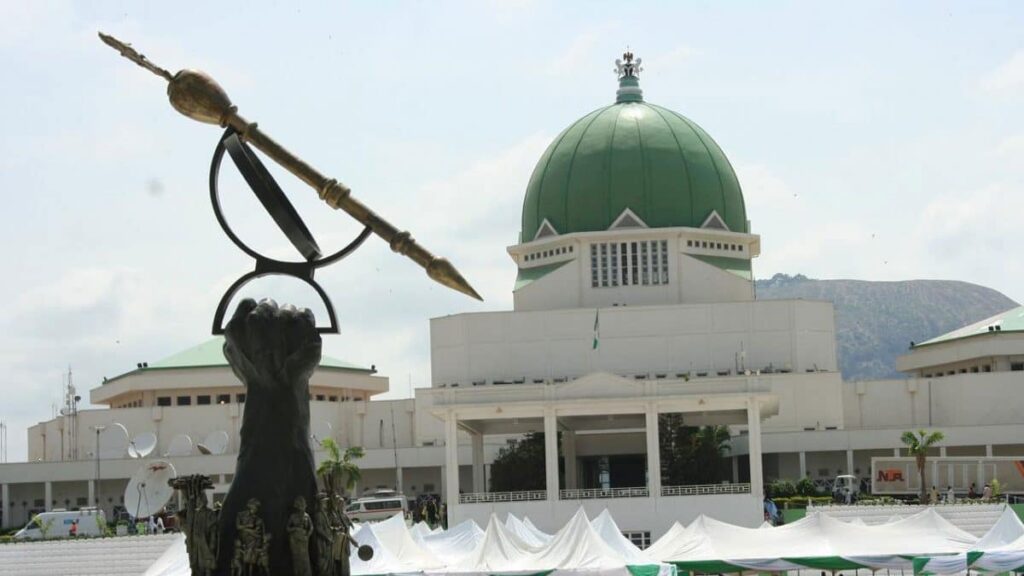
975, 519
119, 555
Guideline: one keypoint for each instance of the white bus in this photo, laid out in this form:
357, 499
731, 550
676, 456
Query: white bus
57, 524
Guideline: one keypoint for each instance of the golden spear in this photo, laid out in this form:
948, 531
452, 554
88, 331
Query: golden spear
199, 97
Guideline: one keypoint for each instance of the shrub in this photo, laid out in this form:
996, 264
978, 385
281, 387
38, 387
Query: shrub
806, 487
781, 489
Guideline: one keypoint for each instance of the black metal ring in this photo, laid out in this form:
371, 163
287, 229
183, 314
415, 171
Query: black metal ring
284, 214
272, 197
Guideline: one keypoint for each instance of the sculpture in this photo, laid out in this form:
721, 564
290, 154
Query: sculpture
300, 528
251, 556
273, 351
199, 523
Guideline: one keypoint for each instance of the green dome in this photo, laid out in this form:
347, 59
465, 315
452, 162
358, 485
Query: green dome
635, 155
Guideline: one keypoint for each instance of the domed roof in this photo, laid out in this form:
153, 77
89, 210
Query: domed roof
632, 154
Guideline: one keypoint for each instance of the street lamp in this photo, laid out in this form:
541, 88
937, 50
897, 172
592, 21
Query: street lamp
98, 428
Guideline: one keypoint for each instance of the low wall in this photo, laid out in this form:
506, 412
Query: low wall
631, 514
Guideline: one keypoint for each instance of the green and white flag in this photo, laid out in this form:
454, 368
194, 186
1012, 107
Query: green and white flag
597, 328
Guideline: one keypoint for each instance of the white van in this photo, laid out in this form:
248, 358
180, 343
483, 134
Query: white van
57, 524
381, 505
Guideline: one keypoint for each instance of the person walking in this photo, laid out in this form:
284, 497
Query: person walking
73, 530
986, 492
950, 495
933, 497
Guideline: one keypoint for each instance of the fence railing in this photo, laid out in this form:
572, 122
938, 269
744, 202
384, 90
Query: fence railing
592, 493
484, 497
705, 489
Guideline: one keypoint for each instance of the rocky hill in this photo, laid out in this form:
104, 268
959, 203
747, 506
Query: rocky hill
876, 321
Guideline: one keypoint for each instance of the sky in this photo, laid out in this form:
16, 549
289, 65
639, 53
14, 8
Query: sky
874, 140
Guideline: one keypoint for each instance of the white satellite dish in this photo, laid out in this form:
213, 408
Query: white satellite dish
113, 441
142, 445
181, 445
214, 443
148, 490
321, 431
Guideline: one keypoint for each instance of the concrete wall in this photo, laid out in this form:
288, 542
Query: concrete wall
690, 280
654, 514
669, 340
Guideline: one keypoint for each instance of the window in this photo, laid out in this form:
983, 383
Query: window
163, 401
640, 539
986, 368
223, 398
184, 400
383, 505
319, 397
240, 398
332, 398
629, 264
203, 399
1017, 366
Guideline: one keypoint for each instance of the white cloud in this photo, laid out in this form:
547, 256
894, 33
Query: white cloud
1007, 78
579, 51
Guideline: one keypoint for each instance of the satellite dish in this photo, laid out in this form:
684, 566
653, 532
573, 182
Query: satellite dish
181, 445
113, 441
214, 443
149, 489
143, 444
322, 430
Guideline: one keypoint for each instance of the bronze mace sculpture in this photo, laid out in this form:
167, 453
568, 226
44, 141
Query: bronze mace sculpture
198, 96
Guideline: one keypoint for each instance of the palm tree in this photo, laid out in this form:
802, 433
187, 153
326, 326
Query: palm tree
339, 471
917, 446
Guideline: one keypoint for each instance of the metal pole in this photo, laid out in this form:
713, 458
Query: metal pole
99, 500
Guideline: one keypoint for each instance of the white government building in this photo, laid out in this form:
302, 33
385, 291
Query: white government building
634, 298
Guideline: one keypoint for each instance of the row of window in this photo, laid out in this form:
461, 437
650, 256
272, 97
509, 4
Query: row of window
629, 264
548, 253
206, 399
971, 370
714, 245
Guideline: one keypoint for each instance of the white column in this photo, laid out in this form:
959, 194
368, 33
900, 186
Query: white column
653, 452
478, 463
754, 442
942, 451
92, 493
451, 460
551, 454
5, 495
896, 452
398, 480
988, 450
569, 454
48, 489
849, 461
803, 465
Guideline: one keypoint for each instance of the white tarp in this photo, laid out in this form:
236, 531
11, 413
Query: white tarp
815, 541
605, 527
527, 532
1001, 549
450, 545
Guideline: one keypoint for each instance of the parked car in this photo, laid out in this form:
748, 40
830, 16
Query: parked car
380, 505
57, 524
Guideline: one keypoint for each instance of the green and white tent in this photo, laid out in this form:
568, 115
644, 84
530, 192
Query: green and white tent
816, 542
999, 550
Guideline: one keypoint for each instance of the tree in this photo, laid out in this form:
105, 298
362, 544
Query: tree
917, 446
519, 466
339, 471
692, 455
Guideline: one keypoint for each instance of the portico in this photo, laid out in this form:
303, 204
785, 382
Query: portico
603, 408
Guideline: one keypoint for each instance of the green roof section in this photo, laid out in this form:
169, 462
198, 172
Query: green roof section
1010, 321
211, 354
529, 275
634, 155
737, 266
